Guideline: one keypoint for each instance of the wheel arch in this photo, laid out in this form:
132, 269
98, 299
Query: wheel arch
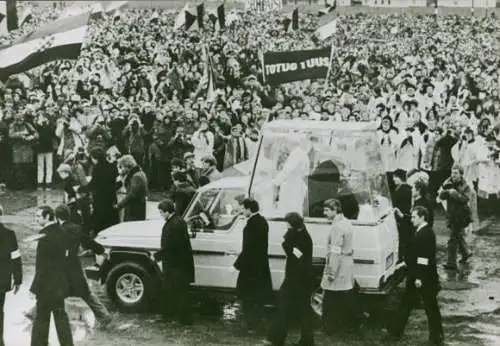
138, 259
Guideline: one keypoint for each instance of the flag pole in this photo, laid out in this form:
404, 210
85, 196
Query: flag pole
329, 72
261, 55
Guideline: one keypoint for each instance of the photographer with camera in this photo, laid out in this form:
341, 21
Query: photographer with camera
69, 132
45, 147
134, 134
22, 137
456, 196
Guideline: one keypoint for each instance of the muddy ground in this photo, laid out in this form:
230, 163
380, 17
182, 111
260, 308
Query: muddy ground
470, 300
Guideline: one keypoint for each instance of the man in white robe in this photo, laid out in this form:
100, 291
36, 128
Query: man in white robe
291, 180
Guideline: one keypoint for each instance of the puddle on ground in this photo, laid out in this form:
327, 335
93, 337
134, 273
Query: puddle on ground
17, 329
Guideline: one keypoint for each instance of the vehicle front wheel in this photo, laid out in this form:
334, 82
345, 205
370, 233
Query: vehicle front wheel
131, 287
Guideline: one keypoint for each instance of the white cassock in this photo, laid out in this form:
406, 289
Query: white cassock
292, 182
203, 144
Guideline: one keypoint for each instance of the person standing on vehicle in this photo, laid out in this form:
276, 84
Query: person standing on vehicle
10, 267
176, 256
254, 283
402, 200
422, 280
340, 309
136, 183
294, 302
51, 284
455, 192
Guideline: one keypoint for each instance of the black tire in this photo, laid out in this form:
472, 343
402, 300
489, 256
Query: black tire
118, 274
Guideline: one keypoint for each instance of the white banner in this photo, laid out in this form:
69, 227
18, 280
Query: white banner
263, 5
397, 3
468, 3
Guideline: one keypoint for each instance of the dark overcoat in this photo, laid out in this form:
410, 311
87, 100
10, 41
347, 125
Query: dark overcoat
10, 260
78, 282
134, 202
421, 259
176, 253
299, 275
51, 282
103, 189
254, 280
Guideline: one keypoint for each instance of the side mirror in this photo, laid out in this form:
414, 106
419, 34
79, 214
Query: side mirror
192, 232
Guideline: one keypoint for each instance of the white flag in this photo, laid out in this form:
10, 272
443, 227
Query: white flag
327, 30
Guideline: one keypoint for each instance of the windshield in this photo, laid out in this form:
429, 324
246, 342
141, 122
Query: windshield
215, 208
297, 170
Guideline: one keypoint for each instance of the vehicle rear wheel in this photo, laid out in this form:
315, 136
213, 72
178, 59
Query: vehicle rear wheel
131, 287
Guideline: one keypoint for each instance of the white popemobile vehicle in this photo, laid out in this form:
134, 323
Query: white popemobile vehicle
298, 165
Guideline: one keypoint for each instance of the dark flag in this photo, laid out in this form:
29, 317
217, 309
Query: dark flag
190, 20
12, 20
200, 14
221, 16
292, 22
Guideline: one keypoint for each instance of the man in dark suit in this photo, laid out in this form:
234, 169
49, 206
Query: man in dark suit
78, 282
422, 281
51, 283
10, 267
402, 200
176, 257
254, 284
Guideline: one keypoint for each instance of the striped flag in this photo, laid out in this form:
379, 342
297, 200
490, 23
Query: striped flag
207, 82
185, 18
328, 23
25, 16
115, 8
61, 39
291, 22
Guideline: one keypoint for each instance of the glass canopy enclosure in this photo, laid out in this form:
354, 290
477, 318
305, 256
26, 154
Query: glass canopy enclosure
300, 164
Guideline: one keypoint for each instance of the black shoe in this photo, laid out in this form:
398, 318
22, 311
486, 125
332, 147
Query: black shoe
165, 319
450, 267
106, 322
390, 336
465, 258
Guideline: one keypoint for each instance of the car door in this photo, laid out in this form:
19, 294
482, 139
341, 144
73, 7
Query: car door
218, 243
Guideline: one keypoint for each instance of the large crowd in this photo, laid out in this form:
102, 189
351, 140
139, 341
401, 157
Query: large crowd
133, 113
138, 88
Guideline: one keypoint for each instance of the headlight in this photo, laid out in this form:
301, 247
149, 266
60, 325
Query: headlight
100, 259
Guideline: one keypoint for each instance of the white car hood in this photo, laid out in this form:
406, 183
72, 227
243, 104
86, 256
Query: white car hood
135, 234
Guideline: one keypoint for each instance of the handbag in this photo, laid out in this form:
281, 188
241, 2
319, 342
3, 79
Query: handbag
317, 301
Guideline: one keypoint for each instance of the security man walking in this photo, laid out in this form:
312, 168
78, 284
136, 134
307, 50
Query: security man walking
176, 257
51, 284
10, 267
422, 281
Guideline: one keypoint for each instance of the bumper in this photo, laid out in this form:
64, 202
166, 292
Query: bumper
93, 273
389, 285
